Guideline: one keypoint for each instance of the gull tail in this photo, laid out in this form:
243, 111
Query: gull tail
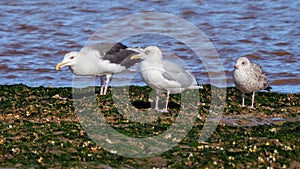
196, 87
268, 88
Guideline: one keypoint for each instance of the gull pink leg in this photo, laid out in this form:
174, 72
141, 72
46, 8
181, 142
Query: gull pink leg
108, 77
101, 85
252, 104
243, 99
101, 90
156, 102
167, 102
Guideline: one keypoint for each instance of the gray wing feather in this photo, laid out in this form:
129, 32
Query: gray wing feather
259, 73
261, 76
98, 48
175, 73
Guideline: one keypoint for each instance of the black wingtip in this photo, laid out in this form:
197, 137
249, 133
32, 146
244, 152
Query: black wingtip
268, 88
127, 62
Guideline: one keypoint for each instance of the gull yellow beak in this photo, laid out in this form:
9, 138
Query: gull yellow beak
58, 66
135, 57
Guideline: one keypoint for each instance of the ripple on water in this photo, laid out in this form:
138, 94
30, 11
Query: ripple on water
35, 36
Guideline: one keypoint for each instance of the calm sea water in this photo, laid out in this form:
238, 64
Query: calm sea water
35, 35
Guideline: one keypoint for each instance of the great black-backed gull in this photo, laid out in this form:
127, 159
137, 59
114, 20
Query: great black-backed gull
100, 60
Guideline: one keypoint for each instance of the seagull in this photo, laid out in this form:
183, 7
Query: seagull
100, 60
249, 78
163, 76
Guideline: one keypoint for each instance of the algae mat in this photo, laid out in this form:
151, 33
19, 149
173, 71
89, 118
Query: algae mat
40, 129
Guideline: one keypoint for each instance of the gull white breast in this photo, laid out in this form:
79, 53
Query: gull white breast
164, 76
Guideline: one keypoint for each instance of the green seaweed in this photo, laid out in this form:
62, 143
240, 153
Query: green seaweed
40, 128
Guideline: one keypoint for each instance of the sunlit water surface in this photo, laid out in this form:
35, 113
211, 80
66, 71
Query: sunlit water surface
35, 35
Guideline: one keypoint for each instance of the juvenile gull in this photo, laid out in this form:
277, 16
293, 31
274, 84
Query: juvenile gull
99, 60
249, 78
163, 76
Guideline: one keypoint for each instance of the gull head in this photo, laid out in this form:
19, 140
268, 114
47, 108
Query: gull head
70, 59
149, 53
242, 62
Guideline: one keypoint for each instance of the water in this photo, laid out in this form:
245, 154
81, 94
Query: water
35, 35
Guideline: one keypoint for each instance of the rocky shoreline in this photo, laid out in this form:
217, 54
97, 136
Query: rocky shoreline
40, 129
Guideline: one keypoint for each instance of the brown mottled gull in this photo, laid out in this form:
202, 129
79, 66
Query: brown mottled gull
163, 76
99, 60
249, 78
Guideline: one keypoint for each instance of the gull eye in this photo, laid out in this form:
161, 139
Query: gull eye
243, 63
147, 51
72, 57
